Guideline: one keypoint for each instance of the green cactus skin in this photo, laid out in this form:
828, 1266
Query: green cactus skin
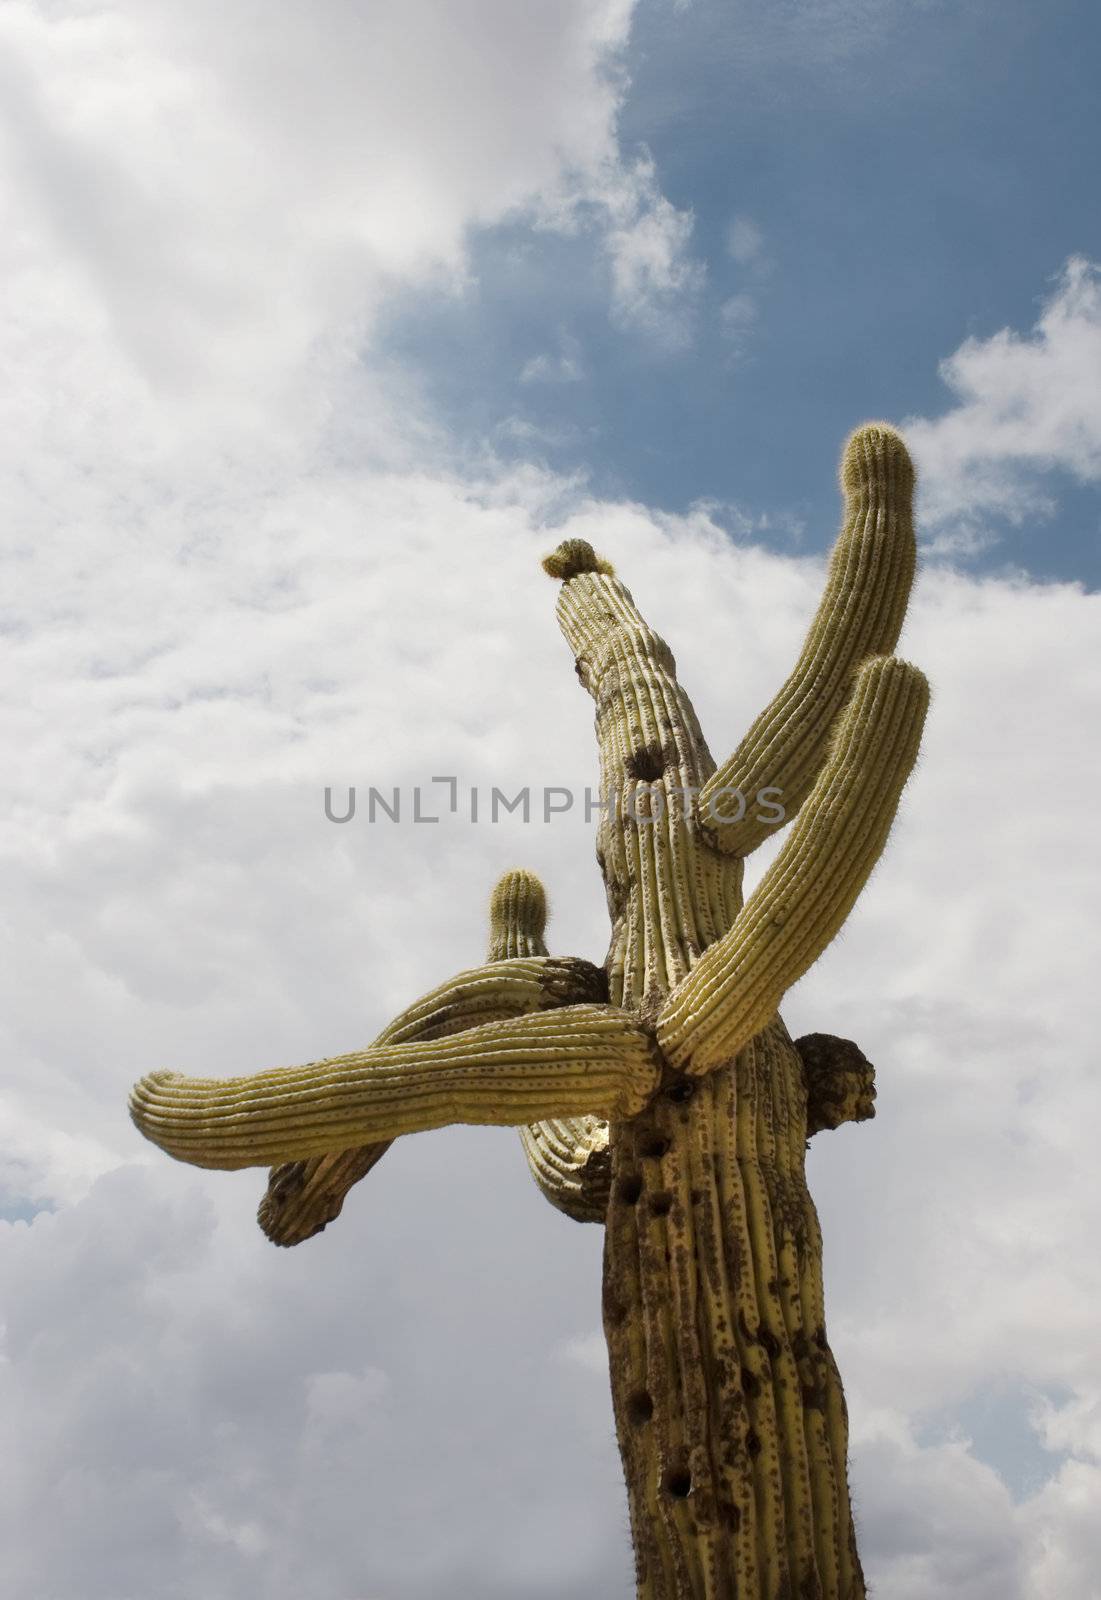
664, 1096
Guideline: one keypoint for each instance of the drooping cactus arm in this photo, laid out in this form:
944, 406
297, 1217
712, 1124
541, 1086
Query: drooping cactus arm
860, 615
565, 1062
304, 1196
568, 1156
571, 1162
808, 891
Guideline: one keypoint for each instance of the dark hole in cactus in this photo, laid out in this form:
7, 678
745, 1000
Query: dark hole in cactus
646, 764
752, 1443
654, 1146
751, 1383
678, 1483
681, 1091
661, 1203
629, 1188
640, 1407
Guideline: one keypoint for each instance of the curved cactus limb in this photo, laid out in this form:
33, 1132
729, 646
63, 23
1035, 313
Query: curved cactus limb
303, 1197
568, 1156
547, 1064
840, 1081
860, 615
807, 892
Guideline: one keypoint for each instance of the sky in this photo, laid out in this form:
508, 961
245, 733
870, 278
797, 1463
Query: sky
320, 326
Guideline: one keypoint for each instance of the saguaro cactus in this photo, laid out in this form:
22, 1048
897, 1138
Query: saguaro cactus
661, 1093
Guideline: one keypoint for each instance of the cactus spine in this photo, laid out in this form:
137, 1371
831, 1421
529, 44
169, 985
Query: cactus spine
662, 1094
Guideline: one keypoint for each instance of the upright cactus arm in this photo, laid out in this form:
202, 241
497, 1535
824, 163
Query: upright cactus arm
568, 1156
565, 1062
733, 991
517, 917
860, 615
303, 1197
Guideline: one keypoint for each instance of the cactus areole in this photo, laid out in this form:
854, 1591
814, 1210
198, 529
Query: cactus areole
660, 1094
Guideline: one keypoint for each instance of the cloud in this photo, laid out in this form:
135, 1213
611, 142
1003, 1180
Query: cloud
745, 241
566, 366
215, 208
1027, 406
655, 281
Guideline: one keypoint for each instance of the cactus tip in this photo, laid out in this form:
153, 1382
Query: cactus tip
520, 900
572, 557
876, 453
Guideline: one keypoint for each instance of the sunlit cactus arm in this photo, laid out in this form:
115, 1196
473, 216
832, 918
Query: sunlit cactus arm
860, 615
557, 1063
840, 1081
304, 1196
568, 1156
808, 891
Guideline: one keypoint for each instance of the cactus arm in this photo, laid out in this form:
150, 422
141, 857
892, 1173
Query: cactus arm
576, 1059
808, 891
303, 1197
568, 1156
668, 898
517, 917
840, 1081
860, 615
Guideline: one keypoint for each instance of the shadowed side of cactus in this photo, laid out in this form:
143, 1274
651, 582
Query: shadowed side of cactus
661, 1094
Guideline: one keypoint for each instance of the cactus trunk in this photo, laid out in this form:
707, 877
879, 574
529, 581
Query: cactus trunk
728, 1406
729, 1410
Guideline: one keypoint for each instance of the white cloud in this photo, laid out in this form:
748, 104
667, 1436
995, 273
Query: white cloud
745, 241
655, 281
200, 204
564, 366
1026, 406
